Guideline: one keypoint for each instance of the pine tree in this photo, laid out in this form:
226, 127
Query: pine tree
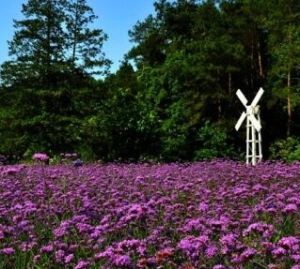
284, 43
84, 43
52, 41
38, 44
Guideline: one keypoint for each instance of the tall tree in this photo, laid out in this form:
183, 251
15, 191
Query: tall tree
47, 79
85, 43
37, 48
54, 39
284, 42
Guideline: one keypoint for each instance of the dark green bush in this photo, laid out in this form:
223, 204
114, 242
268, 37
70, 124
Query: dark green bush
213, 142
286, 149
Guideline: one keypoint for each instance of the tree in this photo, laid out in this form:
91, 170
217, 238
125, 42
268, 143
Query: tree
118, 130
84, 43
37, 48
47, 82
284, 43
193, 81
53, 43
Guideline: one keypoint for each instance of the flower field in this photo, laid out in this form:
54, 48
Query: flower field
217, 215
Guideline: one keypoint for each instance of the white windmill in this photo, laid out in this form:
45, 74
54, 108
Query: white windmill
253, 127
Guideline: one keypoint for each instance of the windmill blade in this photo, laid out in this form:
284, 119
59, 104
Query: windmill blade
255, 122
240, 121
257, 97
242, 97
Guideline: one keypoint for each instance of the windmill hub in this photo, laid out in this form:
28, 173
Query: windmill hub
252, 110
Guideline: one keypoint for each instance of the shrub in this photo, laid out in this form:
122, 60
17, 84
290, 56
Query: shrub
214, 143
286, 149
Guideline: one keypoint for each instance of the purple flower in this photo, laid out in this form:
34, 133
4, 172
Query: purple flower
47, 248
219, 266
43, 157
108, 253
145, 215
211, 251
135, 209
59, 256
82, 265
7, 251
11, 171
121, 261
78, 163
69, 258
278, 252
247, 254
192, 245
289, 242
296, 258
228, 240
83, 228
290, 208
36, 258
60, 232
261, 228
203, 207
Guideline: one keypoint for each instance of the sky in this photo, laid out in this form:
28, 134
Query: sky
116, 18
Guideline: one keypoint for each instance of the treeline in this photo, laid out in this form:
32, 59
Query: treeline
173, 97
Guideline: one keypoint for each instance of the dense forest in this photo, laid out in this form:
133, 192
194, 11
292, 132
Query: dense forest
173, 97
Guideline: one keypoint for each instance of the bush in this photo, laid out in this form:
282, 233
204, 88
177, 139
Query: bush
214, 143
286, 149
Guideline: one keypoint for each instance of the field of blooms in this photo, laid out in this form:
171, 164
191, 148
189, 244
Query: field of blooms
217, 215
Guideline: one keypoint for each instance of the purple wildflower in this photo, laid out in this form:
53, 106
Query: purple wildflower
211, 251
290, 208
59, 256
289, 242
296, 258
42, 157
69, 258
121, 261
82, 265
47, 248
7, 251
278, 252
219, 266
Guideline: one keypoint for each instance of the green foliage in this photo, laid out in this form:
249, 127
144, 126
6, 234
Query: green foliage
213, 142
118, 130
55, 160
190, 57
286, 149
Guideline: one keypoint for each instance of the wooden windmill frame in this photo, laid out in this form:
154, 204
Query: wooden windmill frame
253, 127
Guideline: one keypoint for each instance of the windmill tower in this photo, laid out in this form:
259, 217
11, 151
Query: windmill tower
253, 127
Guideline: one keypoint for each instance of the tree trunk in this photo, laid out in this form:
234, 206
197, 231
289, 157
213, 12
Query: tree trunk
252, 61
75, 33
260, 64
48, 46
289, 108
219, 108
289, 82
229, 82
